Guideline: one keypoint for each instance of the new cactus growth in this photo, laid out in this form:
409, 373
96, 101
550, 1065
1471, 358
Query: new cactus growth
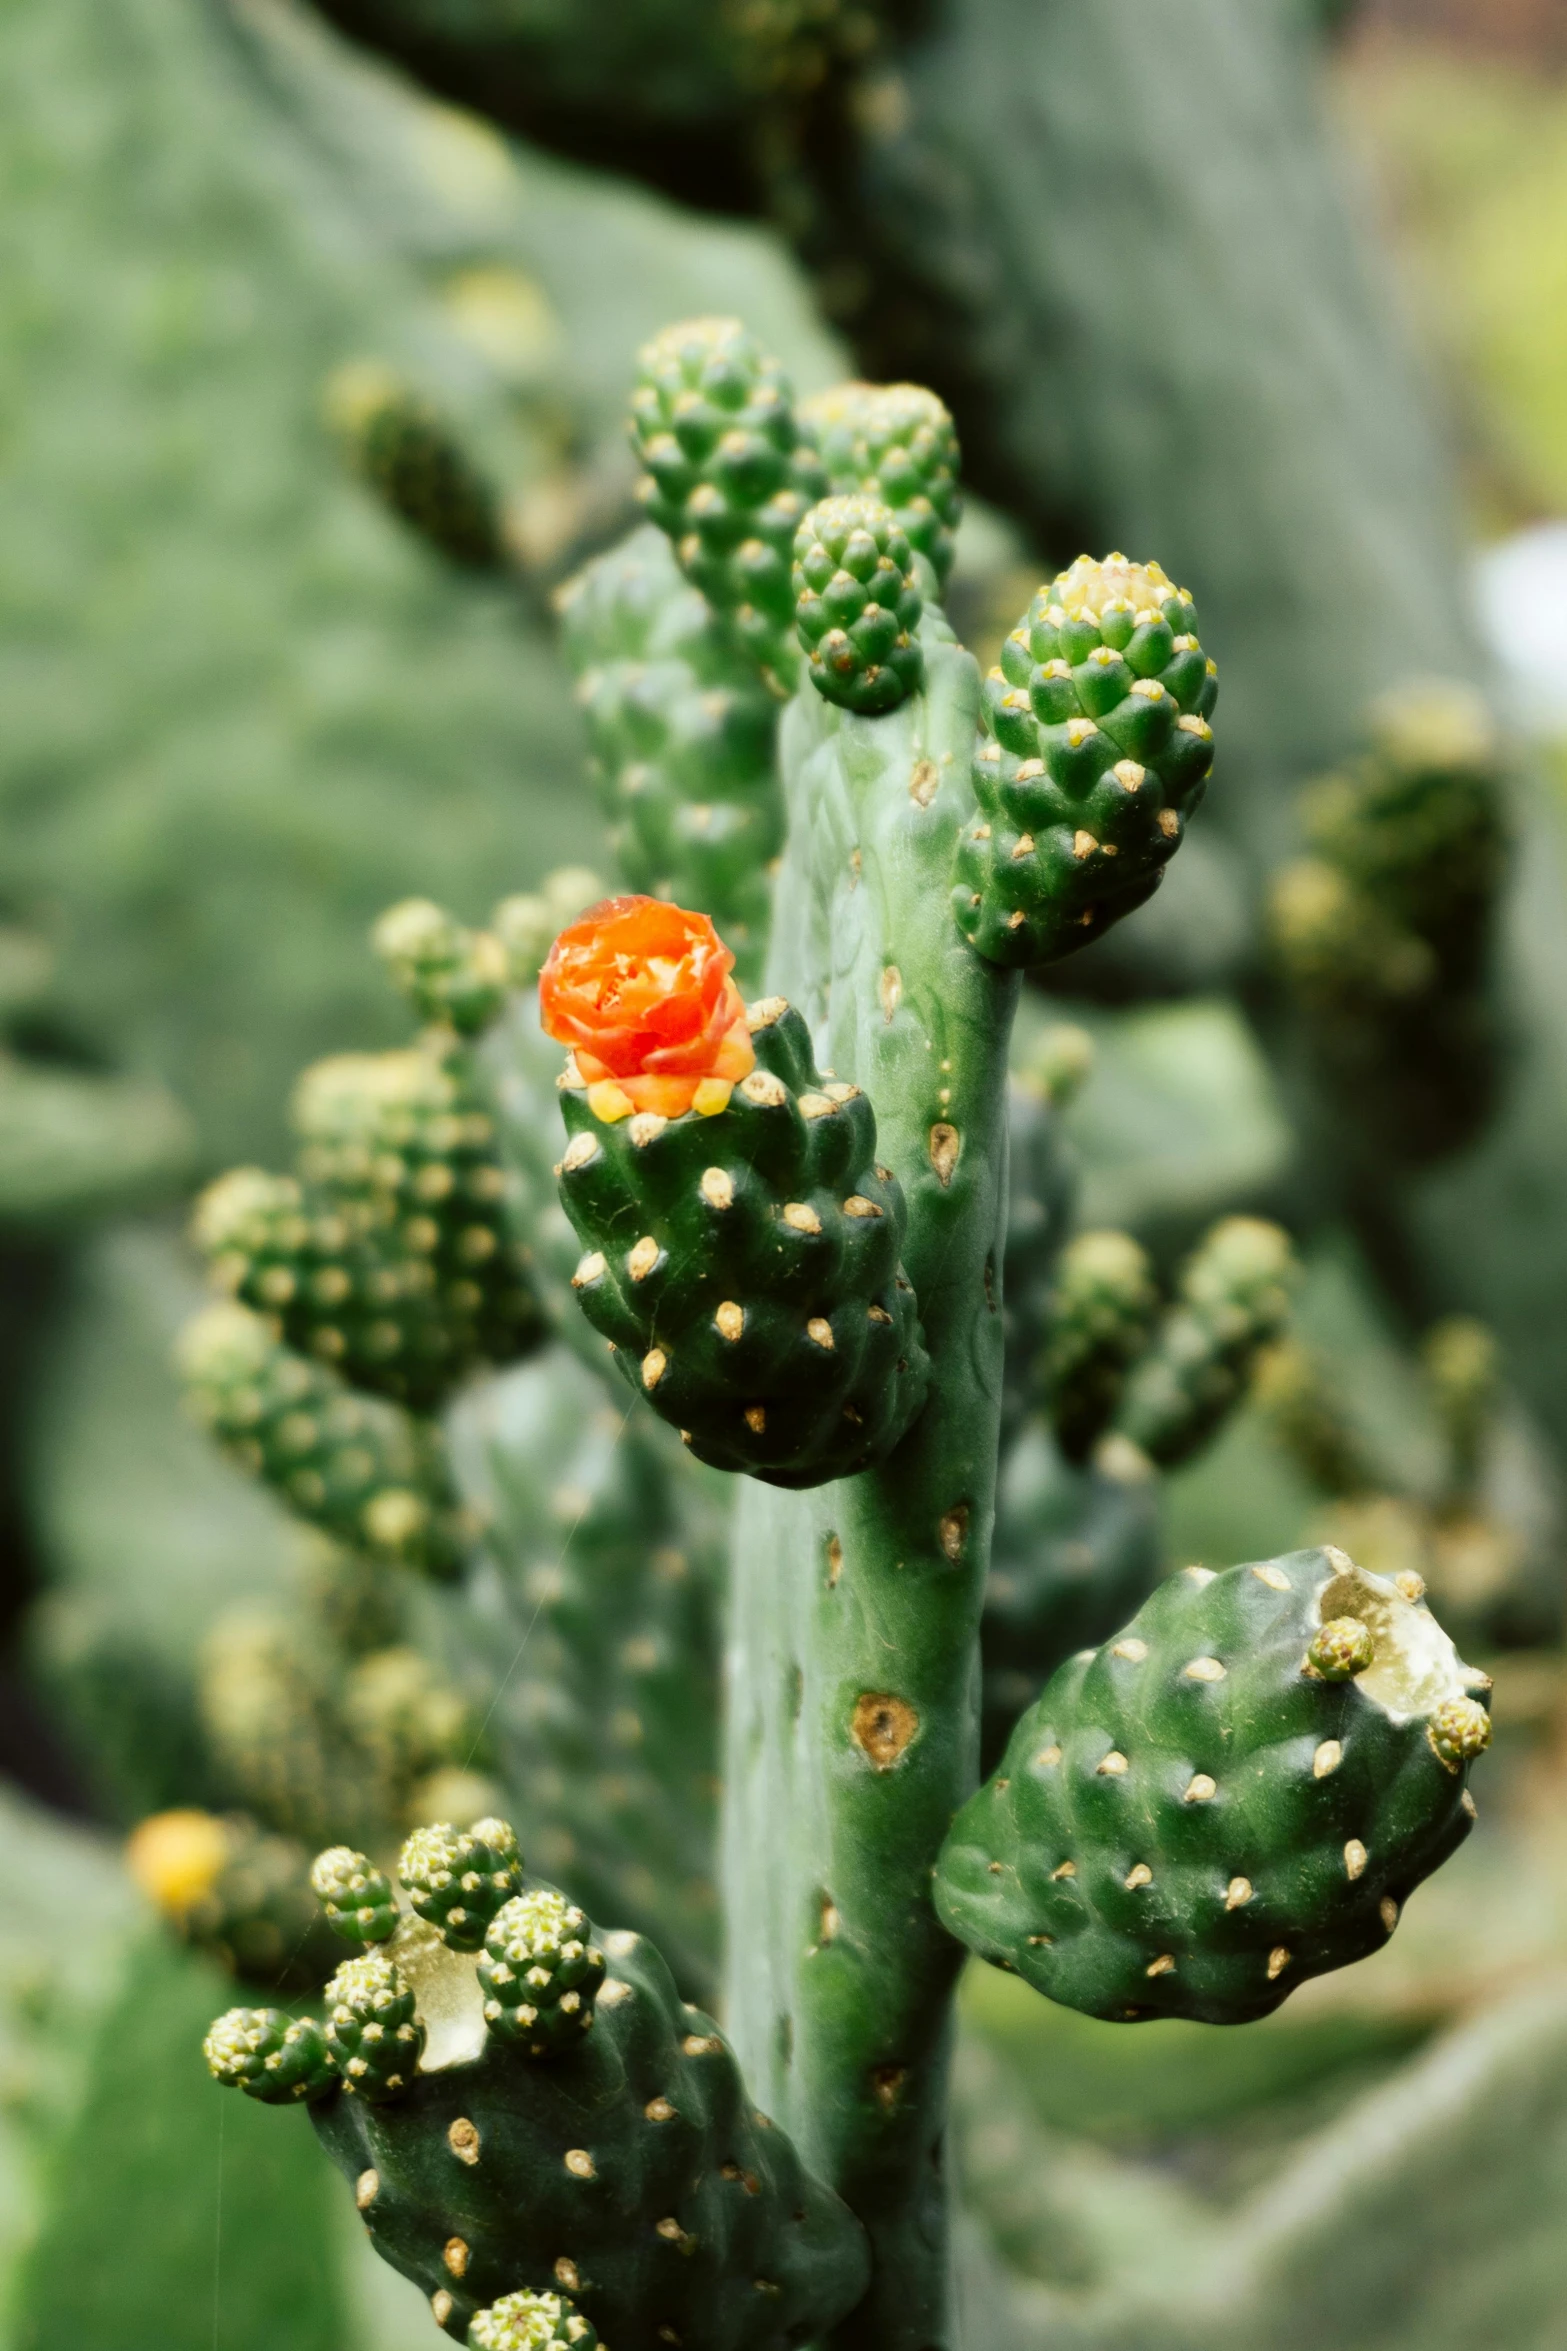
357, 1899
783, 1225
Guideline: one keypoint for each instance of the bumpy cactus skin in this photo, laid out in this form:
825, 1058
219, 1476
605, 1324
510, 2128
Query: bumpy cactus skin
858, 605
727, 475
372, 2030
1234, 1298
630, 2170
895, 443
1103, 1305
681, 732
359, 1467
539, 1974
1195, 1818
1097, 747
358, 1900
745, 1265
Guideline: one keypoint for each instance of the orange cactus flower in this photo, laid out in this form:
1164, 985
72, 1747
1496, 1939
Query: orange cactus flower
640, 990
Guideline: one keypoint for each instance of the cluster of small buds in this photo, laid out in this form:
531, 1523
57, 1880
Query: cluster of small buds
531, 2322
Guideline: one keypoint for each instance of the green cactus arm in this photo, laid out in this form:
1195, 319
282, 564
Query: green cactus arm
359, 1467
1096, 749
728, 475
1103, 1304
1238, 1792
680, 733
1234, 1299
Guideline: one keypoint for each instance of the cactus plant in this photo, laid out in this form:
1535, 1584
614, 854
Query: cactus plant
790, 1223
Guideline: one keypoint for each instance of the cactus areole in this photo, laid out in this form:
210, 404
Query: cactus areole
785, 1234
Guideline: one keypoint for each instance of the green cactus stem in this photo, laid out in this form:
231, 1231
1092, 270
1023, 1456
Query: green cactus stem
745, 1265
358, 1901
855, 1608
858, 604
727, 476
372, 2030
539, 1974
276, 2058
358, 1467
531, 2322
1096, 750
410, 457
1103, 1306
895, 443
1238, 1792
1234, 1298
680, 733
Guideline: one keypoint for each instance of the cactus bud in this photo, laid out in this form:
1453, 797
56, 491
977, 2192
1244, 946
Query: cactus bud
358, 1900
857, 605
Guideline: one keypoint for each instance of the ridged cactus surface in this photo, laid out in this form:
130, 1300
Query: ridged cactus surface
895, 443
858, 604
1096, 750
1238, 1792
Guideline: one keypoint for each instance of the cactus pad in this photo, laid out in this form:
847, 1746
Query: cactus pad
539, 1974
745, 1266
358, 1900
1192, 1820
896, 443
276, 2058
372, 2031
727, 475
357, 1466
631, 2172
1095, 749
531, 2322
458, 1879
858, 605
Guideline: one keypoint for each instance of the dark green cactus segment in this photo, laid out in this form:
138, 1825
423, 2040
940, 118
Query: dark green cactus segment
745, 1266
632, 2172
539, 1973
412, 459
358, 1467
1234, 1299
451, 976
404, 1144
531, 2322
269, 2055
1095, 748
858, 605
458, 1879
372, 2030
359, 1902
1102, 1306
1192, 1820
681, 733
898, 444
727, 476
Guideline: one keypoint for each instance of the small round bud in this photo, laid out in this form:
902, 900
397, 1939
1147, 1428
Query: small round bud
540, 1974
857, 605
269, 2055
531, 2322
1342, 1648
372, 2031
458, 1879
358, 1900
1459, 1730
